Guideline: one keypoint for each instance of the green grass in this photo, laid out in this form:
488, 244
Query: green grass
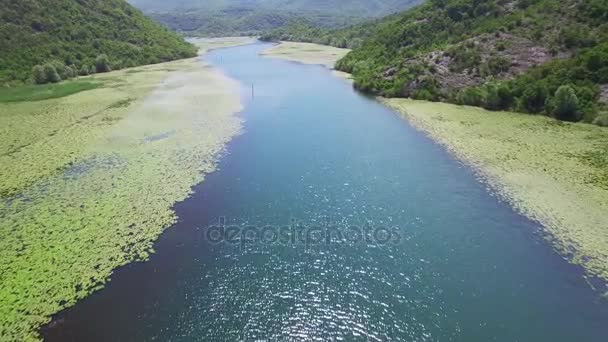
45, 92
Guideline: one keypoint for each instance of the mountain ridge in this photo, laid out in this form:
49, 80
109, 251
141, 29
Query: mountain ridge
252, 17
496, 54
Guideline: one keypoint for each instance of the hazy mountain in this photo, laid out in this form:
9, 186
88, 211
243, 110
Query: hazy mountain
363, 8
234, 17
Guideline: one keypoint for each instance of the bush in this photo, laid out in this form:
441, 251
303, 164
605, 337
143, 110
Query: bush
601, 119
566, 104
497, 65
39, 74
471, 97
84, 70
498, 97
51, 73
534, 98
102, 64
68, 72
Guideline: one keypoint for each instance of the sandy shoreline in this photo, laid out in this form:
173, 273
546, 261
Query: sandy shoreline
97, 178
552, 172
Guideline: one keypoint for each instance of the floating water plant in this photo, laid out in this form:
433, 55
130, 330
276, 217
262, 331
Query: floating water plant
89, 180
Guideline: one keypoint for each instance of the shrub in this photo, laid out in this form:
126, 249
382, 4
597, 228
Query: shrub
566, 104
101, 63
497, 65
51, 73
534, 98
39, 74
471, 97
498, 97
84, 70
68, 72
601, 119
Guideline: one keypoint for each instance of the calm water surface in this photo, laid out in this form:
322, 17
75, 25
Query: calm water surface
460, 265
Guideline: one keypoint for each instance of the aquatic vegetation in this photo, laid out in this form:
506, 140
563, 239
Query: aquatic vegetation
208, 44
45, 92
84, 188
551, 171
307, 53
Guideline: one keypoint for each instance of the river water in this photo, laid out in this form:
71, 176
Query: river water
331, 218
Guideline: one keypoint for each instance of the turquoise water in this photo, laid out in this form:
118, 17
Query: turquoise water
350, 225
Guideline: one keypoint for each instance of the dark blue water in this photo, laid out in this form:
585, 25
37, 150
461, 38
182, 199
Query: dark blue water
348, 225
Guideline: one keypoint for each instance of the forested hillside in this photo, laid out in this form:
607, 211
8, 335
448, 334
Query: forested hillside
238, 17
305, 30
79, 37
536, 56
234, 21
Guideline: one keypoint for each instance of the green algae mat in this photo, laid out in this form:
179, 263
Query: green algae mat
90, 171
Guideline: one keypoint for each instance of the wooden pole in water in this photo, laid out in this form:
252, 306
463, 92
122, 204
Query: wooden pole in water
252, 91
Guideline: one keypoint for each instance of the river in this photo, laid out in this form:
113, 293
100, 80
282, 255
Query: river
331, 218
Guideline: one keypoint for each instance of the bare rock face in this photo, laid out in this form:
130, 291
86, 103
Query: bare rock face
519, 53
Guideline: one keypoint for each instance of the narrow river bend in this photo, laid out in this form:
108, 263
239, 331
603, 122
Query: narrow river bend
353, 226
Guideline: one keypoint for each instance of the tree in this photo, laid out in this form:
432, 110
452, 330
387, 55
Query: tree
68, 72
39, 74
74, 70
51, 73
566, 104
471, 97
534, 97
84, 70
101, 63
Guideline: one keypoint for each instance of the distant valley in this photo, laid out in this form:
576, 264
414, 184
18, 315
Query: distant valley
242, 17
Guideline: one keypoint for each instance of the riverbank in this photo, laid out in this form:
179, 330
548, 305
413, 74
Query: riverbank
551, 171
209, 44
89, 179
309, 53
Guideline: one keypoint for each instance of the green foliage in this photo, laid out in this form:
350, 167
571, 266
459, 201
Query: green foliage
497, 64
464, 29
84, 71
308, 31
51, 74
44, 92
39, 74
74, 32
498, 97
601, 119
102, 64
471, 97
565, 104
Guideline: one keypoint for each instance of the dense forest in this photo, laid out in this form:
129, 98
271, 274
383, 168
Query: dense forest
49, 40
252, 17
234, 21
305, 30
537, 56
